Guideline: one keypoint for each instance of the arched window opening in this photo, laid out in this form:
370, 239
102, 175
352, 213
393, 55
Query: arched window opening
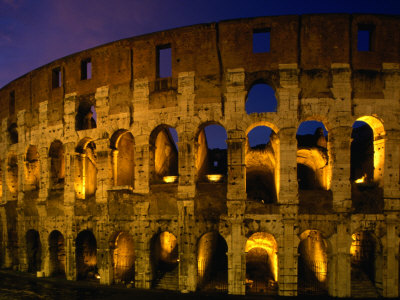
86, 169
123, 162
33, 251
86, 116
211, 155
262, 165
313, 167
212, 263
12, 176
124, 259
57, 165
261, 264
367, 164
163, 155
366, 259
86, 256
13, 133
261, 98
32, 169
57, 254
165, 260
312, 264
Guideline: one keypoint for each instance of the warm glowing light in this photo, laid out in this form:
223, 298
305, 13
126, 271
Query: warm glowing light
170, 179
361, 180
214, 177
97, 276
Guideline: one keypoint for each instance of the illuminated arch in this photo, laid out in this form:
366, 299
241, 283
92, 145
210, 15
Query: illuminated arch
86, 255
123, 158
32, 169
85, 169
123, 255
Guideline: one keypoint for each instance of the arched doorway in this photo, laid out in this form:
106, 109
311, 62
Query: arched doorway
212, 263
86, 169
366, 262
165, 261
261, 98
57, 165
312, 268
124, 259
123, 146
86, 256
57, 254
261, 264
33, 251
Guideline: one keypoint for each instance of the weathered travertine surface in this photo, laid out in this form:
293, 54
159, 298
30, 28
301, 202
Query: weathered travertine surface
317, 73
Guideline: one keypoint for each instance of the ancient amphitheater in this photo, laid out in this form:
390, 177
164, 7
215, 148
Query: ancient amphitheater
95, 186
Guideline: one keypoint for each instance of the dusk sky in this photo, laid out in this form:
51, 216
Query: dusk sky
36, 32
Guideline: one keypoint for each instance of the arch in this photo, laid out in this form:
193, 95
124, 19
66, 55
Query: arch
261, 264
212, 262
211, 152
123, 154
86, 255
367, 164
262, 168
57, 254
12, 175
261, 98
124, 258
32, 169
85, 169
163, 153
33, 251
13, 133
86, 115
57, 165
366, 262
164, 259
312, 264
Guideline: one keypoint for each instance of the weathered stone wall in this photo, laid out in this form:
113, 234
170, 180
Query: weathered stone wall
317, 74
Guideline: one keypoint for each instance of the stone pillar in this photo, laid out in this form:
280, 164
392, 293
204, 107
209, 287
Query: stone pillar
104, 176
142, 157
186, 165
236, 189
69, 189
287, 259
143, 272
391, 187
102, 106
104, 255
339, 266
390, 272
186, 94
70, 261
340, 139
235, 94
288, 94
44, 240
236, 254
140, 103
187, 246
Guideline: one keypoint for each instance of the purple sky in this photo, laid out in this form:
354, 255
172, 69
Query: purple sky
35, 32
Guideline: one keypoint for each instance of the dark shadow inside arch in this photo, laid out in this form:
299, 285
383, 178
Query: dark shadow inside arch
13, 133
57, 254
86, 256
33, 251
261, 98
57, 165
164, 260
367, 195
211, 154
212, 263
86, 116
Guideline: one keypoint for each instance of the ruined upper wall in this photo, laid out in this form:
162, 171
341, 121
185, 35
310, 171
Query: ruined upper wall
313, 42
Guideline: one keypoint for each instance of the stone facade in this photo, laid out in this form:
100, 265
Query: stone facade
96, 206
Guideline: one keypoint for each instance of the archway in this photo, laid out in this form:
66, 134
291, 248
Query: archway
212, 263
211, 154
86, 169
261, 264
33, 251
57, 165
165, 260
261, 98
57, 253
86, 116
262, 165
366, 262
124, 259
312, 268
163, 155
367, 164
86, 256
123, 161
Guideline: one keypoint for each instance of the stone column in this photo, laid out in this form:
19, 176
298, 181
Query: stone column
102, 106
287, 259
143, 272
103, 170
44, 240
142, 157
70, 262
236, 188
104, 257
391, 187
340, 139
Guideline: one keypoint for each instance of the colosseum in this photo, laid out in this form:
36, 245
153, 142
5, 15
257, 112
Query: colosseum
108, 172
